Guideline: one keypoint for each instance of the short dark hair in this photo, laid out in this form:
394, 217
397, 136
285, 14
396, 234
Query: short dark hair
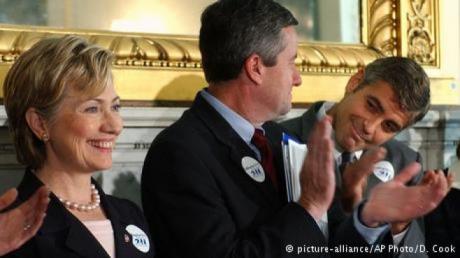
232, 30
408, 80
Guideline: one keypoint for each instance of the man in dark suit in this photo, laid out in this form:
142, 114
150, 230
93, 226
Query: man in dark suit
389, 95
212, 183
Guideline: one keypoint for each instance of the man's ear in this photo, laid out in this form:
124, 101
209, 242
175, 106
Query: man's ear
254, 68
354, 81
37, 124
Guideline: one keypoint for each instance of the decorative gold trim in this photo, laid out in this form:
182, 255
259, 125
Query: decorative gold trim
422, 32
163, 51
382, 26
131, 50
338, 59
158, 68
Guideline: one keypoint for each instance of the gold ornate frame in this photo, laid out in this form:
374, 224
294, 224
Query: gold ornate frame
152, 69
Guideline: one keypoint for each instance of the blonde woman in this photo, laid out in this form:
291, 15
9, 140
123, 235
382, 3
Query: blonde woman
63, 114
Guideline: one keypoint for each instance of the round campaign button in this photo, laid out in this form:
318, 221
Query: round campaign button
253, 169
140, 240
384, 171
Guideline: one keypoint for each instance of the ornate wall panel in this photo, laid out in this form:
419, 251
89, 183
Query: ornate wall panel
159, 70
422, 29
380, 26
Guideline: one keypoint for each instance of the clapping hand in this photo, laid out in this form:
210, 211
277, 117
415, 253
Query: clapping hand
21, 223
317, 177
354, 178
394, 202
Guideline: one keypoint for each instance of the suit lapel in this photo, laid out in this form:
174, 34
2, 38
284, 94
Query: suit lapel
123, 241
60, 226
82, 241
274, 133
335, 212
76, 237
262, 193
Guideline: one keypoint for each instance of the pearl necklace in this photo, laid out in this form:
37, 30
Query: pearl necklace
94, 204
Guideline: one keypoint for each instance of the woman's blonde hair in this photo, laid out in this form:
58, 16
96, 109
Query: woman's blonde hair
41, 77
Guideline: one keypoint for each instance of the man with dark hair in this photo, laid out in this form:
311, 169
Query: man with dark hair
386, 97
212, 183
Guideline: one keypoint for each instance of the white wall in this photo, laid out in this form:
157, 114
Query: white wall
449, 24
151, 16
457, 22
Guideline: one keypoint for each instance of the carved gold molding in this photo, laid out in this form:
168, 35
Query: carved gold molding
141, 50
380, 26
157, 69
404, 28
422, 31
161, 51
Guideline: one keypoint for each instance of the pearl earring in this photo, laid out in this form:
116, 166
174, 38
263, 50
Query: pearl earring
45, 137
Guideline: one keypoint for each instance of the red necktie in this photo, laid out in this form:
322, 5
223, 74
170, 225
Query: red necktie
261, 142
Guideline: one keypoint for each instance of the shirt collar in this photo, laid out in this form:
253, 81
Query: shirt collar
241, 126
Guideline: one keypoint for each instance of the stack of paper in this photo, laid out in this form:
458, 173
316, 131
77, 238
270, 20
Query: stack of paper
294, 154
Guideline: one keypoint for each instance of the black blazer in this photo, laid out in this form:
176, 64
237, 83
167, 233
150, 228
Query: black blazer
200, 202
443, 226
398, 154
63, 235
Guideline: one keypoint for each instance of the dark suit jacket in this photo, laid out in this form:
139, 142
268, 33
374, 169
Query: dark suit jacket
63, 235
443, 226
199, 201
398, 154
